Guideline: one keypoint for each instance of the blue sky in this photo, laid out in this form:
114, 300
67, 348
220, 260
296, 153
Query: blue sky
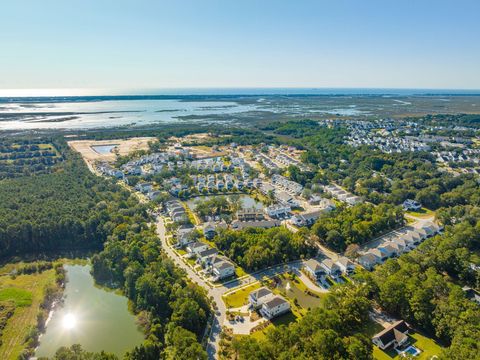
247, 43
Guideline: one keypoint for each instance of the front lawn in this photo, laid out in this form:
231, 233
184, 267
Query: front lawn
240, 297
422, 213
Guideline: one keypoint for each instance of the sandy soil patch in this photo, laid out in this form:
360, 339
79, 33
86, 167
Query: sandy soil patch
122, 146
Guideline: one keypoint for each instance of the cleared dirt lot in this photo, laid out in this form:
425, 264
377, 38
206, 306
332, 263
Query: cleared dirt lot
122, 146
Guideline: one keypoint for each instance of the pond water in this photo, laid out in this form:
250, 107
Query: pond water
247, 201
90, 316
293, 291
104, 149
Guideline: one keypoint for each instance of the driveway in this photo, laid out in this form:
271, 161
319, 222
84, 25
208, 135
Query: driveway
216, 292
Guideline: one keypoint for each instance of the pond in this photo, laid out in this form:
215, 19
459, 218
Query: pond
104, 149
293, 289
90, 316
247, 201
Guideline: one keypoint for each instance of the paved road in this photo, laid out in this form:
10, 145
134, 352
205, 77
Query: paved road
217, 291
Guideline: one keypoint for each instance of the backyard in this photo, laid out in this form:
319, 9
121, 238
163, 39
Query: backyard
428, 347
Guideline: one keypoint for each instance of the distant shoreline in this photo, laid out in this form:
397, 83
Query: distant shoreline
68, 95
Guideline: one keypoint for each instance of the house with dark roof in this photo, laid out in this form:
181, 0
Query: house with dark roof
394, 336
257, 297
265, 224
274, 307
222, 268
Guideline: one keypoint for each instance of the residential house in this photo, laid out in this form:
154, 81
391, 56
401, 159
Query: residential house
346, 266
274, 307
206, 257
209, 230
394, 336
412, 205
330, 268
314, 269
144, 187
306, 218
265, 224
285, 198
390, 249
250, 214
278, 210
369, 260
222, 269
196, 248
184, 235
382, 255
257, 297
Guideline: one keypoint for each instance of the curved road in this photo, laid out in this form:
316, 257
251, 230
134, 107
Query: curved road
216, 292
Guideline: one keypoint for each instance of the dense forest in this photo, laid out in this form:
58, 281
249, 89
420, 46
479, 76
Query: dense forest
70, 208
357, 224
256, 248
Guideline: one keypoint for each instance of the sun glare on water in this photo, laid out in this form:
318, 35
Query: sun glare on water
69, 321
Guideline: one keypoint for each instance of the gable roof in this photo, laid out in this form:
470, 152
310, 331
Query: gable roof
259, 293
274, 302
394, 332
313, 264
345, 261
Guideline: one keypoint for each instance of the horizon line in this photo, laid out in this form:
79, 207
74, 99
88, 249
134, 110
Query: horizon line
151, 91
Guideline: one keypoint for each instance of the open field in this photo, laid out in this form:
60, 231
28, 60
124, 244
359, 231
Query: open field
27, 291
122, 147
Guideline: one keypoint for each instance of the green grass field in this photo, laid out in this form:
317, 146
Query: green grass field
20, 297
27, 291
422, 213
240, 297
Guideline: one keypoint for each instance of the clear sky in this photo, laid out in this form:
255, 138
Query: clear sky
241, 43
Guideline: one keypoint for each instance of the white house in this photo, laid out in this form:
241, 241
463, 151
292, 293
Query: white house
346, 266
314, 270
183, 235
196, 248
144, 187
330, 268
410, 204
278, 210
222, 269
306, 219
258, 297
274, 307
207, 257
369, 260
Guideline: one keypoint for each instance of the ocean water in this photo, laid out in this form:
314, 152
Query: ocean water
86, 109
85, 113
